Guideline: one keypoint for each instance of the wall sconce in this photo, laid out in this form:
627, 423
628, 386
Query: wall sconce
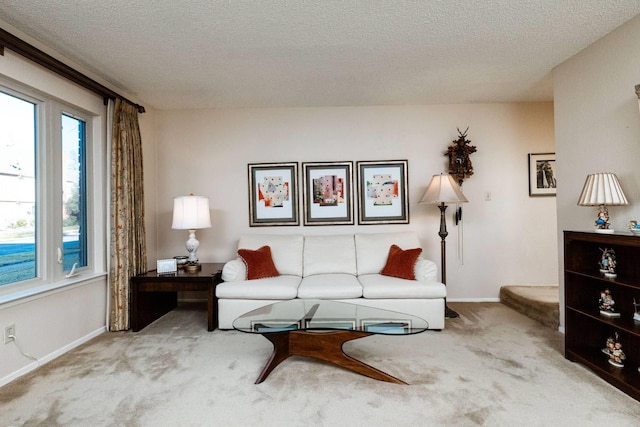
191, 213
443, 190
602, 189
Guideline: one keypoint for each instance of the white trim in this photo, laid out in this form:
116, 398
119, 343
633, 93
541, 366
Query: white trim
473, 299
49, 357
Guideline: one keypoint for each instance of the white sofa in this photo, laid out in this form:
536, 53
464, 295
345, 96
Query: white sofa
336, 267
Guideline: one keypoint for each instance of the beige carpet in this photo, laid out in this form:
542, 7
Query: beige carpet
491, 367
540, 303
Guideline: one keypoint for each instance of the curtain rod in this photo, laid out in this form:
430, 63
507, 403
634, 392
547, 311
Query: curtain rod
23, 48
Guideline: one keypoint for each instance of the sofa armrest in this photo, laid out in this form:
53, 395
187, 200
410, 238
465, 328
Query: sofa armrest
426, 270
234, 270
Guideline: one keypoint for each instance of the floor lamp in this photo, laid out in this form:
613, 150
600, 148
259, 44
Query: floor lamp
443, 190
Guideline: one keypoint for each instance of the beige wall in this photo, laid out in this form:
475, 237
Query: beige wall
598, 126
52, 322
508, 240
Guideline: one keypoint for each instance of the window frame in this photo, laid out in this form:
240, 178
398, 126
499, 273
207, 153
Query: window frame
50, 275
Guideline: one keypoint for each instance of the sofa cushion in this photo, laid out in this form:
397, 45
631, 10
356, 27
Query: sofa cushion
286, 250
234, 270
372, 248
329, 254
401, 263
425, 270
259, 263
278, 288
330, 286
377, 286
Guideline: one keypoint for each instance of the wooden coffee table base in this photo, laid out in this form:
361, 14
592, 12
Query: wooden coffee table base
325, 346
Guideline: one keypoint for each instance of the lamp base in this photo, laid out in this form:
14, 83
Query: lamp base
192, 267
449, 313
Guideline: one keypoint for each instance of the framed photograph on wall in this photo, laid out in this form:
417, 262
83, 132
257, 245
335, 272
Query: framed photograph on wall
328, 194
542, 174
382, 192
273, 194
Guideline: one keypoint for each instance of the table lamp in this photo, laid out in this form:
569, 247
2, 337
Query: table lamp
443, 190
602, 189
191, 213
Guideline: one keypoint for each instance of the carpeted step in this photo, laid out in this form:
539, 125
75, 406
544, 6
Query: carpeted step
540, 303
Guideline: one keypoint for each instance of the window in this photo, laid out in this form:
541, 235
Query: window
74, 222
43, 153
17, 189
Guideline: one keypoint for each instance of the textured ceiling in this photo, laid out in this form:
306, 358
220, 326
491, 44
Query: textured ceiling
241, 53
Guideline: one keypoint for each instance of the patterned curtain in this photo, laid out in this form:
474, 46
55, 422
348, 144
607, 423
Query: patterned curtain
128, 253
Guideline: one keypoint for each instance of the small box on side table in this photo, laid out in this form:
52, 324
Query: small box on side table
153, 295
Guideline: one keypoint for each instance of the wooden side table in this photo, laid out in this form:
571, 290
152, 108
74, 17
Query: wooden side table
153, 295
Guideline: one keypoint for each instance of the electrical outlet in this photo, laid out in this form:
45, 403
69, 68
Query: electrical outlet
9, 333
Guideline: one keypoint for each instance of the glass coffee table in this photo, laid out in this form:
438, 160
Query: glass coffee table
319, 328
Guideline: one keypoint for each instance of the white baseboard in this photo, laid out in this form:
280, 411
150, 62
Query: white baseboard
49, 357
473, 299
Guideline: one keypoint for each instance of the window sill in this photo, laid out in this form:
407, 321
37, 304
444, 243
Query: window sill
20, 293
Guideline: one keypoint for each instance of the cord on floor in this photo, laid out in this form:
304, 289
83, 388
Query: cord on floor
28, 356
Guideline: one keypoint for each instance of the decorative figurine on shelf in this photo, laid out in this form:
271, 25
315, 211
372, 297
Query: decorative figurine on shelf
609, 346
606, 304
634, 227
616, 355
636, 311
608, 262
613, 349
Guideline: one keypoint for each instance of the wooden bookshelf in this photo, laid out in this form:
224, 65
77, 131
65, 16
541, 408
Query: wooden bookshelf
586, 330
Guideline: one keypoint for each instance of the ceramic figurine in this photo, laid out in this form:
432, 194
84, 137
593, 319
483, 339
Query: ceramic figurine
602, 221
606, 304
608, 262
636, 311
613, 349
609, 346
617, 356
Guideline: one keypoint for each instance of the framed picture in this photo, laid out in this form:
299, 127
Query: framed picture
542, 174
273, 194
328, 194
166, 266
382, 192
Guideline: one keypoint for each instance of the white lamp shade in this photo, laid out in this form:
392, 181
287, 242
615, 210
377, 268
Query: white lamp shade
191, 212
602, 189
443, 189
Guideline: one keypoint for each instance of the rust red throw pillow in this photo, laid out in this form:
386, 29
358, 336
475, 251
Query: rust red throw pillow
259, 263
401, 263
